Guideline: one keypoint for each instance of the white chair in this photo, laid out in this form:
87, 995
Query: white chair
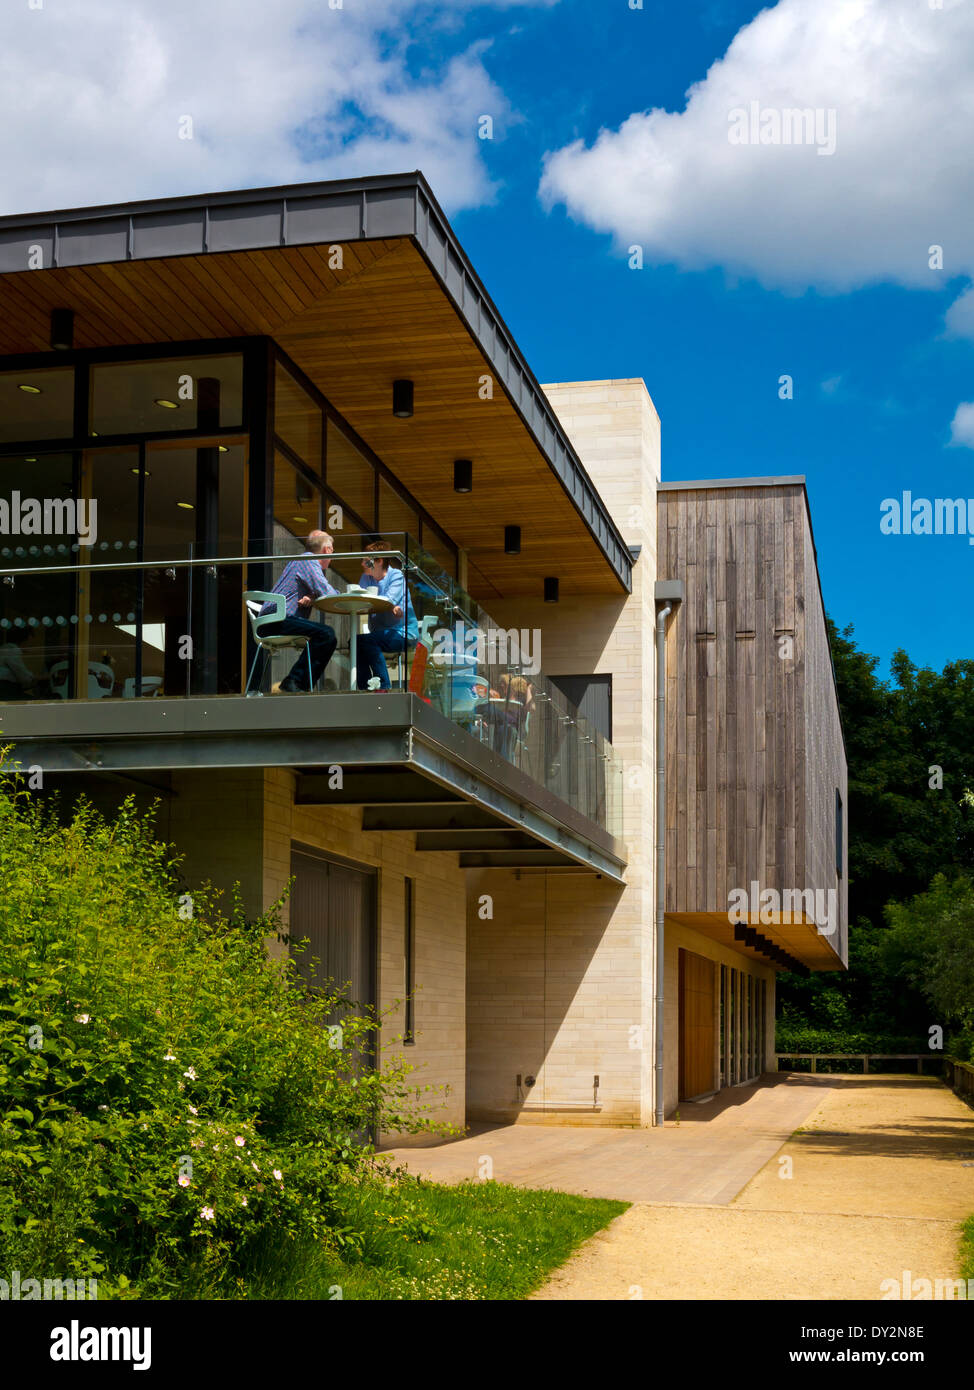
151, 685
255, 600
101, 680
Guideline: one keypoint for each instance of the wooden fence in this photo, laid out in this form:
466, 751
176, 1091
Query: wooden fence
866, 1058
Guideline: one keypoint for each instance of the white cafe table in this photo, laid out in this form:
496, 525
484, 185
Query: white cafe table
357, 602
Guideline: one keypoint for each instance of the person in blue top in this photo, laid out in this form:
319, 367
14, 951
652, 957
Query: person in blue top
393, 630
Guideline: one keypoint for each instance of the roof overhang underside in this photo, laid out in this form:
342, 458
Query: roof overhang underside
405, 303
410, 769
786, 945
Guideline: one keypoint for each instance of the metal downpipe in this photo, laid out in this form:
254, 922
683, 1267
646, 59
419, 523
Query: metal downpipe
661, 618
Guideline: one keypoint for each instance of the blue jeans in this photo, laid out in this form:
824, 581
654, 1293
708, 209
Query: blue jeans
322, 640
370, 660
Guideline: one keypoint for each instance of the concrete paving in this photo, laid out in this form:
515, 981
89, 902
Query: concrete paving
707, 1157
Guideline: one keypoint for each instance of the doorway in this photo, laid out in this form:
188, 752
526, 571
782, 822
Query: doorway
333, 907
697, 1036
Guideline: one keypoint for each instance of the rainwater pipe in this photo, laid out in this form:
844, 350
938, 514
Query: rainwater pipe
669, 592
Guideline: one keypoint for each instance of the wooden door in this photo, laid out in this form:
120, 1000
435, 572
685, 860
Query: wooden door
696, 1025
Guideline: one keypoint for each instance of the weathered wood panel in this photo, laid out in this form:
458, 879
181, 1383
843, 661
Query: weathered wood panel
752, 714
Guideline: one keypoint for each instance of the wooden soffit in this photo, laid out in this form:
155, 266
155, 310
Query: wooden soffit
402, 304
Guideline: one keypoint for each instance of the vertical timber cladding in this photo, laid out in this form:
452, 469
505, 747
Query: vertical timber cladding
738, 694
697, 1018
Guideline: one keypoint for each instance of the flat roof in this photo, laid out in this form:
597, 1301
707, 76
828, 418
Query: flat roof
704, 484
251, 223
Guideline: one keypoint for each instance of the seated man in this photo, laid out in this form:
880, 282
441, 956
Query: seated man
302, 581
391, 631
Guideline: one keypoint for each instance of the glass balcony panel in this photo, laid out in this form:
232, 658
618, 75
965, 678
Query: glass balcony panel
140, 630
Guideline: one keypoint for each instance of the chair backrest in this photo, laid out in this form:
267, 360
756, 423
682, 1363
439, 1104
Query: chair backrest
254, 601
101, 680
59, 686
151, 685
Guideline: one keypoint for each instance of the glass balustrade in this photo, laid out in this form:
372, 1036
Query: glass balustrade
77, 624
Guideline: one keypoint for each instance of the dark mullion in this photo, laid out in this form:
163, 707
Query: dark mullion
129, 352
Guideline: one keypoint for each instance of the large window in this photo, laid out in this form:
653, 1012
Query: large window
297, 419
297, 500
177, 394
351, 481
36, 404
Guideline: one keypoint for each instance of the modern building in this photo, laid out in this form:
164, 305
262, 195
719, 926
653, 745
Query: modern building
602, 806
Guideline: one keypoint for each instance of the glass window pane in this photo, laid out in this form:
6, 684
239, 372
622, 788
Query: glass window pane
38, 613
38, 519
396, 516
44, 410
352, 479
442, 553
297, 419
181, 480
169, 394
297, 500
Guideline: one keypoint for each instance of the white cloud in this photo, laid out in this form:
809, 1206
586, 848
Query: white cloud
960, 316
896, 73
962, 425
91, 97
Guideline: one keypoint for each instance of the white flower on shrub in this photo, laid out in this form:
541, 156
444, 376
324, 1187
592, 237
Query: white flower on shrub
183, 1180
169, 1057
193, 1110
82, 1018
239, 1141
206, 1213
191, 1074
243, 1201
254, 1166
278, 1174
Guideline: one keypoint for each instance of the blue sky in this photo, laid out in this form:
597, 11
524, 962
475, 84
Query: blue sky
711, 346
611, 129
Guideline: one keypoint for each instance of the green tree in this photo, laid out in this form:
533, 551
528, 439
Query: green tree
910, 750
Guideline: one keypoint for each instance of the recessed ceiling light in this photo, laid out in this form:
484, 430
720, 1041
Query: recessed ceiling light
166, 405
303, 519
31, 460
187, 506
223, 449
136, 472
31, 390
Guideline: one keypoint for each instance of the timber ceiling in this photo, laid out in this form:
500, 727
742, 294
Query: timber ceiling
353, 331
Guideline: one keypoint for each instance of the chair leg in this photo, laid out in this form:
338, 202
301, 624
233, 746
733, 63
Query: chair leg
252, 665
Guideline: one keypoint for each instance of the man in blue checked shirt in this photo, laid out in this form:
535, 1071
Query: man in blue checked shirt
391, 631
302, 581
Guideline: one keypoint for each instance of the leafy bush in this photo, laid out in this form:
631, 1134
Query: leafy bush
172, 1099
800, 1038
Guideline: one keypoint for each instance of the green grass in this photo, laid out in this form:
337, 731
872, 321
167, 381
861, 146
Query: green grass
425, 1241
967, 1249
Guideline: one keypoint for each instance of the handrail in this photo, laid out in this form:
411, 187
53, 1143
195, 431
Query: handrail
215, 560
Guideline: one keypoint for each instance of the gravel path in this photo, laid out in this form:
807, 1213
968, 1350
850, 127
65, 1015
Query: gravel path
871, 1188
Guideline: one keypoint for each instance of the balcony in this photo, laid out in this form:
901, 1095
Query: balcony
141, 666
